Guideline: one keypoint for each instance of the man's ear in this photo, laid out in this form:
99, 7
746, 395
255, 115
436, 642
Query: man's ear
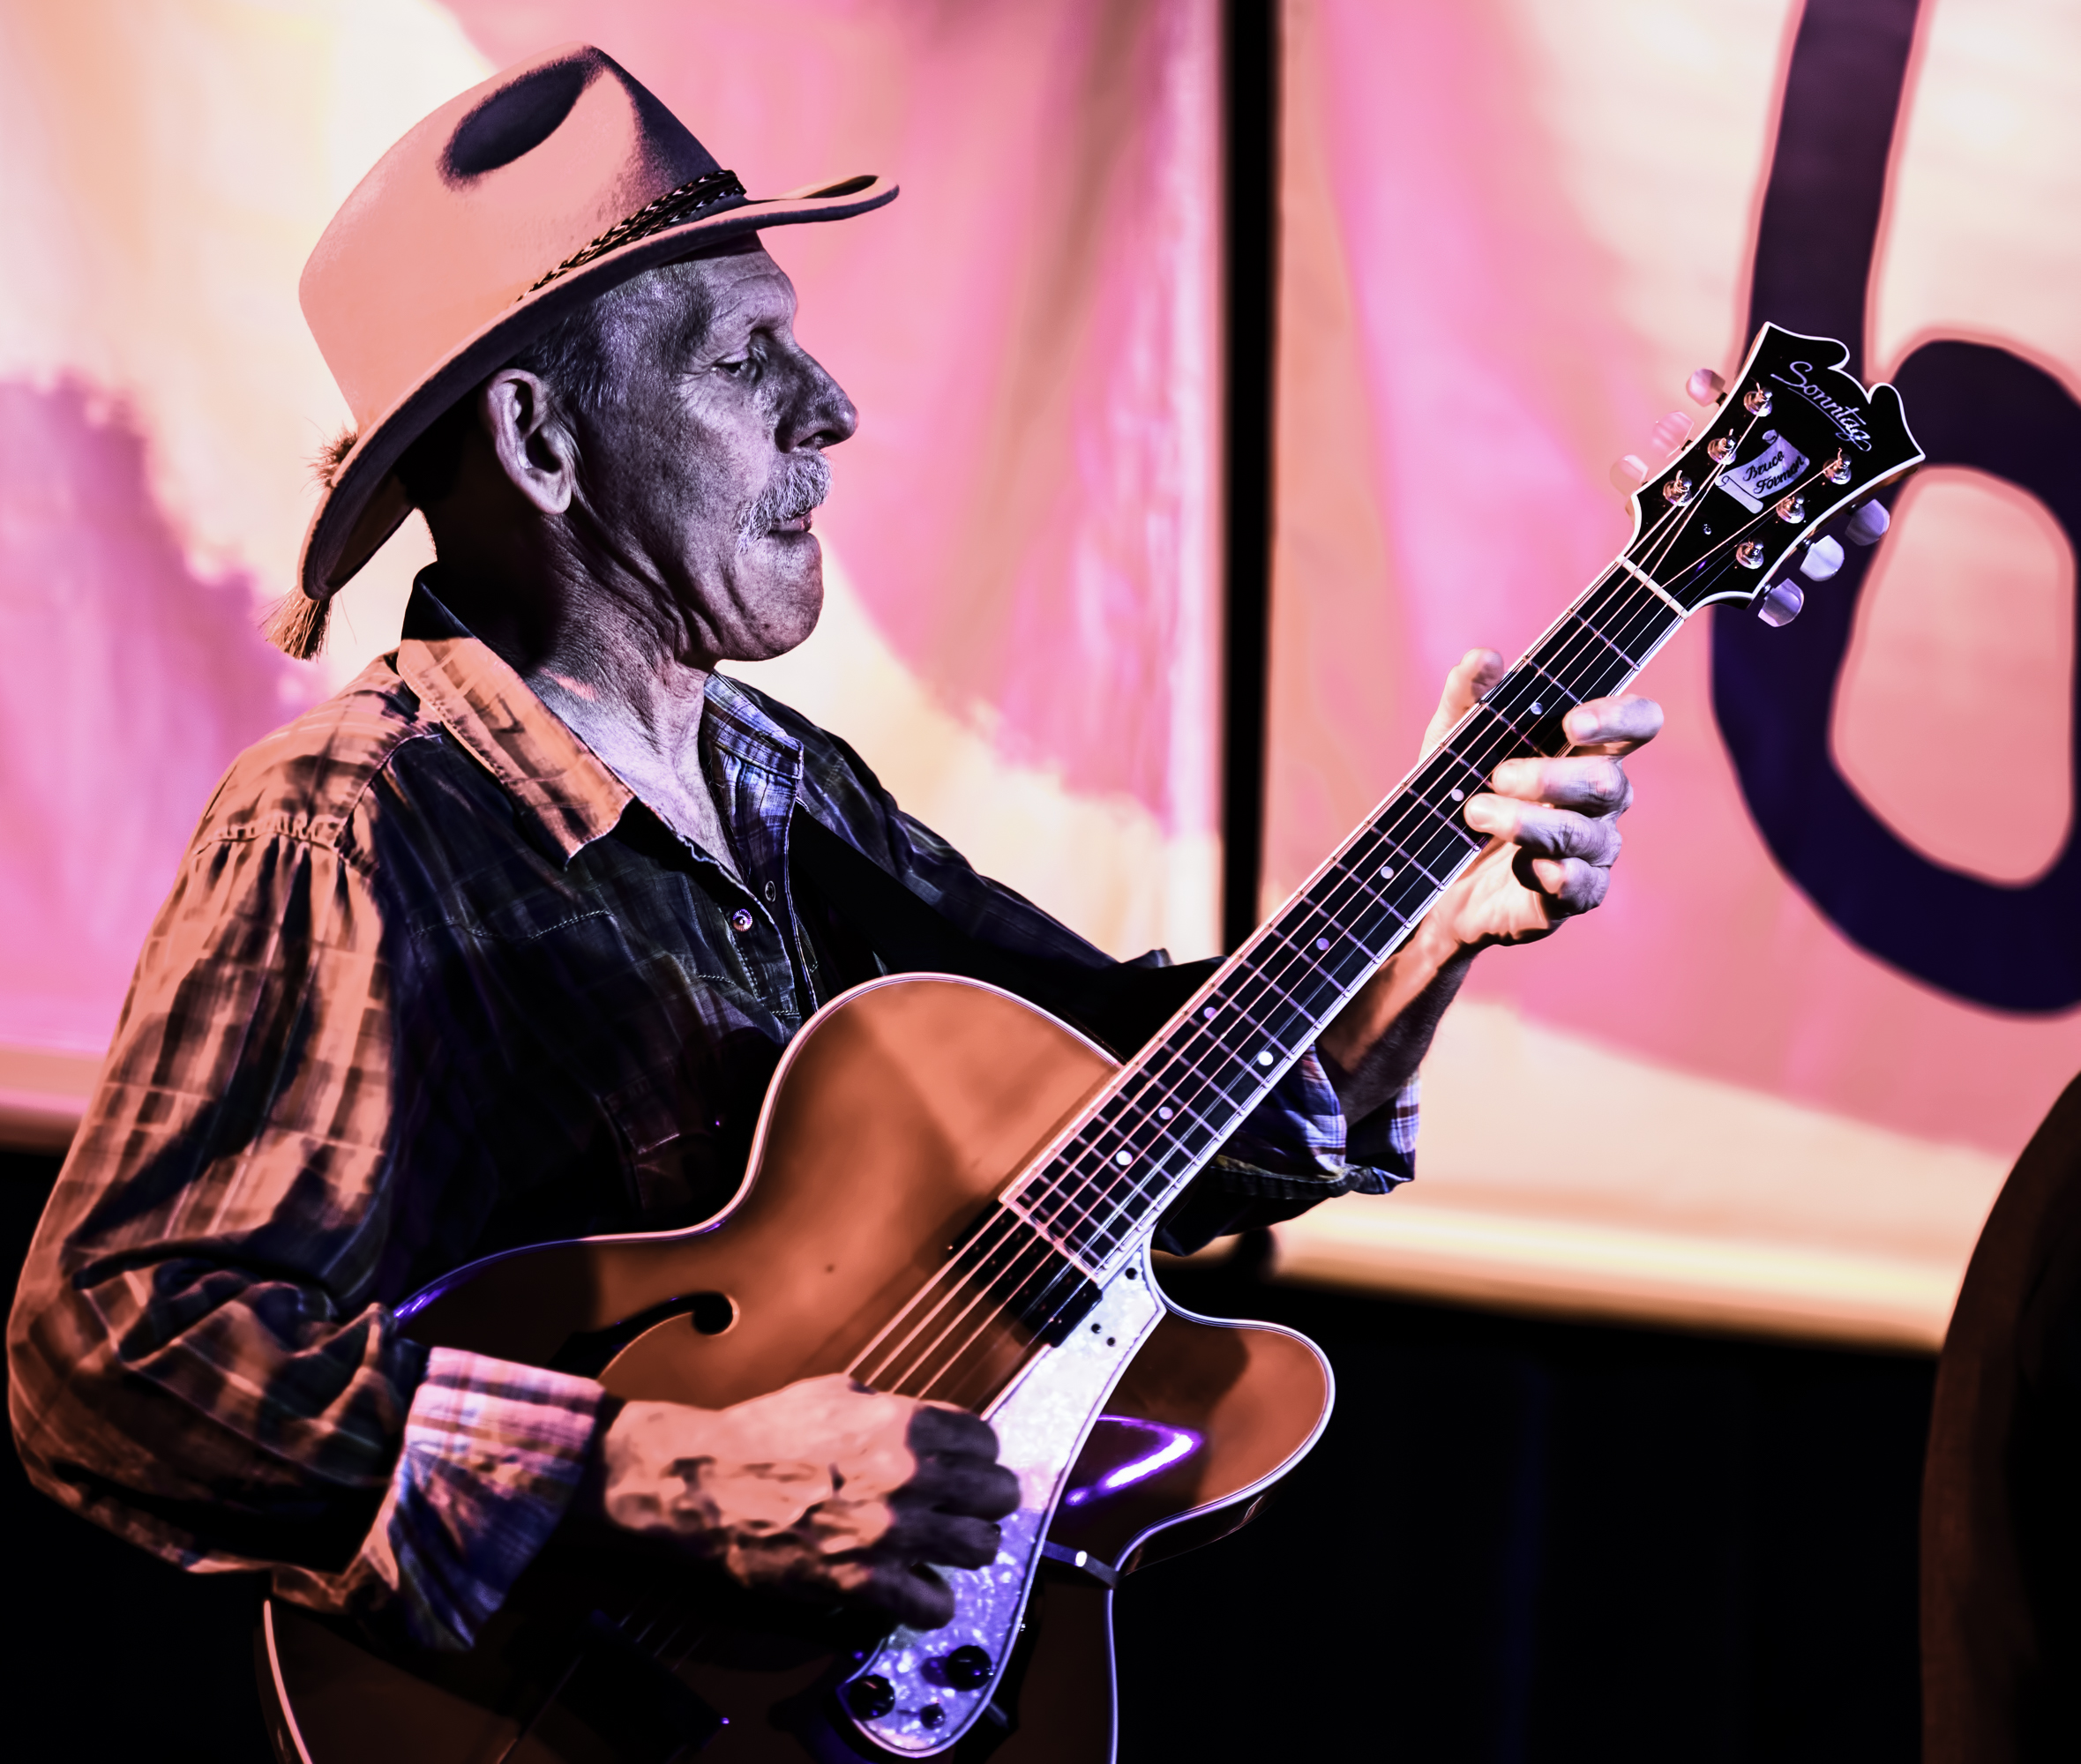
534, 447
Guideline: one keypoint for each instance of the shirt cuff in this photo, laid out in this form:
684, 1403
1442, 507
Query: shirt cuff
492, 1453
1296, 1143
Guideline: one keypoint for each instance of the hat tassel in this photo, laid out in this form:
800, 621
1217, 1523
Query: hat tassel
297, 625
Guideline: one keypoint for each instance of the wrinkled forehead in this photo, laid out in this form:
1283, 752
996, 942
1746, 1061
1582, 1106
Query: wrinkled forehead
737, 283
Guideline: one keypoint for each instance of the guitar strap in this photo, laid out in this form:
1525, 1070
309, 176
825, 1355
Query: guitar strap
1119, 1005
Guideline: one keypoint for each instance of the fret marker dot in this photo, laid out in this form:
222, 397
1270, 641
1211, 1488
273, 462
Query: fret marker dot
1209, 1013
1322, 943
1264, 1059
1387, 869
1536, 708
1123, 1157
1164, 1114
1459, 796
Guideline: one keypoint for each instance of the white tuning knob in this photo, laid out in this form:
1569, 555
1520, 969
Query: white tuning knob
1869, 525
1823, 558
1705, 386
1672, 431
1781, 604
1628, 472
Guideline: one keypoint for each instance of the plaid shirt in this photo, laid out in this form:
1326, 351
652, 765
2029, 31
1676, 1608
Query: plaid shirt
433, 982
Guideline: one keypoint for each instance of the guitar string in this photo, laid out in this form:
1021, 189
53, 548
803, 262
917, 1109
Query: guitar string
1507, 733
1696, 502
1275, 989
1279, 944
1042, 1249
1287, 978
1394, 830
1270, 981
1269, 987
1393, 827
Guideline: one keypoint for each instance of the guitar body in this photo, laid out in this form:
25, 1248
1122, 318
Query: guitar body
897, 1118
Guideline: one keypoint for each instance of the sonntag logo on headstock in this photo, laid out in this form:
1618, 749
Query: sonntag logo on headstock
1848, 420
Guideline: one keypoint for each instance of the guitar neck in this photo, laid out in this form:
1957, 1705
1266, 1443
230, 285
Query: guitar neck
1099, 1191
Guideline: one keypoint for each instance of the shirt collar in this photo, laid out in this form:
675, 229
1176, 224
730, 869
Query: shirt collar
570, 795
734, 720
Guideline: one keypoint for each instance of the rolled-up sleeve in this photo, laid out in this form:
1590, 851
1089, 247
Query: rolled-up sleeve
197, 1359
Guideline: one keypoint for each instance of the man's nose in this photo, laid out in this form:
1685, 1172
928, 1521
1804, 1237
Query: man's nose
820, 414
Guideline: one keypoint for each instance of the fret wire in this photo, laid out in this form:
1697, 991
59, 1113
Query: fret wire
1174, 1070
1124, 1129
1153, 1164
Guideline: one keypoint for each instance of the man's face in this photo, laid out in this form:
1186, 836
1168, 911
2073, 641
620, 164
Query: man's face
702, 467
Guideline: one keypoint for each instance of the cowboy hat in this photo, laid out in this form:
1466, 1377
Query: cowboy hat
502, 213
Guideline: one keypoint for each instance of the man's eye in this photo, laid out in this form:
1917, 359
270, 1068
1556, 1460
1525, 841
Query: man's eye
739, 364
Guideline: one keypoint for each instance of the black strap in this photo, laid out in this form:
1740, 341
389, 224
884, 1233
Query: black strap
1119, 1005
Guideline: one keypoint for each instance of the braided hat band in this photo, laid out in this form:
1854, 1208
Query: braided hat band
712, 190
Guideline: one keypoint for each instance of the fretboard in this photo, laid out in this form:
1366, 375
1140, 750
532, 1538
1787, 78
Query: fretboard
1100, 1190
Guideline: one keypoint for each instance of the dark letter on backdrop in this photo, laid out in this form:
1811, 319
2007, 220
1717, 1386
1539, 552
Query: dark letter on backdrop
2016, 948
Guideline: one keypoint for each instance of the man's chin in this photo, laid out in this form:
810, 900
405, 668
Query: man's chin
784, 619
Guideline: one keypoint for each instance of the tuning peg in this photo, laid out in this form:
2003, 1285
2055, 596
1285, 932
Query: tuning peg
1823, 558
1672, 431
1705, 386
1629, 472
1781, 603
1869, 525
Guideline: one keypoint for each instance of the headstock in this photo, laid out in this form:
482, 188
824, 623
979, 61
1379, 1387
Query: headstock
1793, 442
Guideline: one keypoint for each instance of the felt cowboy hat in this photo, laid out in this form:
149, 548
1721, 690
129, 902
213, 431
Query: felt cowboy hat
502, 213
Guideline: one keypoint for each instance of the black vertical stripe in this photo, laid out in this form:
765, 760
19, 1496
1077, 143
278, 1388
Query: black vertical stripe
1250, 271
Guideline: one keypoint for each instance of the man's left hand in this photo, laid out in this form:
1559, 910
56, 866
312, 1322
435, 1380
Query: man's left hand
1553, 833
1554, 822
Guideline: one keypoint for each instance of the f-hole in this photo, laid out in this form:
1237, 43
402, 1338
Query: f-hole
587, 1352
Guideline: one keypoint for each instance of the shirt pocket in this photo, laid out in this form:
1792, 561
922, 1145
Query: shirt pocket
649, 1115
684, 1128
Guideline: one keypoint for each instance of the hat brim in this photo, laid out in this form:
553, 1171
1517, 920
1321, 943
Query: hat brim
364, 503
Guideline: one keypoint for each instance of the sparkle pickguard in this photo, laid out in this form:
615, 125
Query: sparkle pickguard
1041, 1425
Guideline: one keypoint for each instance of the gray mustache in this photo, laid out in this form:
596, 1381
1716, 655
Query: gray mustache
802, 483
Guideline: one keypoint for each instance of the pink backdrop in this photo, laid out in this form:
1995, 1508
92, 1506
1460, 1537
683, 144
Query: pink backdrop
1025, 513
1504, 250
1467, 352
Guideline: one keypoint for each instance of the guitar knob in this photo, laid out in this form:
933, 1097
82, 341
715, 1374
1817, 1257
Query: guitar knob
1629, 472
871, 1697
1672, 431
1823, 558
1869, 525
1781, 604
1705, 386
966, 1669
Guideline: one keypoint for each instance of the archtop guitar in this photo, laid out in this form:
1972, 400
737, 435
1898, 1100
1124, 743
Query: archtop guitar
952, 1195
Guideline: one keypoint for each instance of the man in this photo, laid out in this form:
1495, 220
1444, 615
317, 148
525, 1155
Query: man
501, 944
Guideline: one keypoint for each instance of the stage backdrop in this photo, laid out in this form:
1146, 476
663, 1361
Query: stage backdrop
1778, 1079
1773, 1084
1019, 544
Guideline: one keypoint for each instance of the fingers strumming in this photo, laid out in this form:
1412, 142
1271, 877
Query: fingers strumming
934, 1428
963, 1484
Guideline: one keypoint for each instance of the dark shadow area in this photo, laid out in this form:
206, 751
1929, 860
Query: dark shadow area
1519, 1540
116, 1657
1528, 1540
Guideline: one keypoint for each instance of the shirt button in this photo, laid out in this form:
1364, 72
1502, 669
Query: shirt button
771, 891
740, 921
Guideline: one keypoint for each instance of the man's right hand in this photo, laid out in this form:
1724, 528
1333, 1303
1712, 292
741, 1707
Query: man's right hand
823, 1490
